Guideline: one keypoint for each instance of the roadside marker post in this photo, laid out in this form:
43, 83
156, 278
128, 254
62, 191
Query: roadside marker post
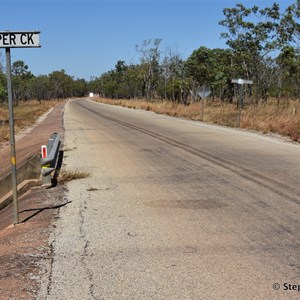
44, 151
18, 39
241, 82
51, 160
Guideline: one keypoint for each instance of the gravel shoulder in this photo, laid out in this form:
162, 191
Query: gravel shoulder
25, 255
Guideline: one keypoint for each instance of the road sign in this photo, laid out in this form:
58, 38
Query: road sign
20, 39
15, 39
203, 91
242, 81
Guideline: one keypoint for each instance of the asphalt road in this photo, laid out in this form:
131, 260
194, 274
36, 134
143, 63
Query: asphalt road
174, 209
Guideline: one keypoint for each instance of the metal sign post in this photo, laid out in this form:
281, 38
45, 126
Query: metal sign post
241, 82
9, 40
203, 92
12, 136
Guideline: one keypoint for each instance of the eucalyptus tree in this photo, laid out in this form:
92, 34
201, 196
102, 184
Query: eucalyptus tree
117, 83
95, 86
21, 77
79, 87
288, 62
210, 67
134, 81
3, 92
252, 36
109, 85
198, 66
121, 79
289, 26
172, 76
60, 84
150, 65
41, 88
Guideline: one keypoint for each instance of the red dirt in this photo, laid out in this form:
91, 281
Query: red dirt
31, 143
24, 249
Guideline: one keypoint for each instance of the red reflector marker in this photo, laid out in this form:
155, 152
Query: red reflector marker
44, 151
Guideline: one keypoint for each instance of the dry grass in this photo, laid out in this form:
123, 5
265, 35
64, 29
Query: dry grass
68, 175
283, 118
25, 115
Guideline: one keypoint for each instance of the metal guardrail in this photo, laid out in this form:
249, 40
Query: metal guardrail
29, 174
51, 157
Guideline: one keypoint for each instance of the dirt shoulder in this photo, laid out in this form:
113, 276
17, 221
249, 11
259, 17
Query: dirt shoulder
25, 254
29, 143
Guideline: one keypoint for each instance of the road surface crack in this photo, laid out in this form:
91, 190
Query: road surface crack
86, 247
51, 268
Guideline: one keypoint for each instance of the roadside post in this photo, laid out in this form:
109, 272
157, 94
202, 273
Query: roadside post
51, 160
19, 39
203, 92
241, 82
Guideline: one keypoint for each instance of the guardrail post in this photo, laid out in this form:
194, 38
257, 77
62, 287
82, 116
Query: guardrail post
49, 159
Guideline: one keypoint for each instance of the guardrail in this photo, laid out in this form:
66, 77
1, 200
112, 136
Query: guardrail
51, 160
47, 165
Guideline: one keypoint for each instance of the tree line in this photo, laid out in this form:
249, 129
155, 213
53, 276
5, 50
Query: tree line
262, 45
56, 85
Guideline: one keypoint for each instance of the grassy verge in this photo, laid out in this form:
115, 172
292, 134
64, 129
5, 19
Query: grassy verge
283, 118
26, 114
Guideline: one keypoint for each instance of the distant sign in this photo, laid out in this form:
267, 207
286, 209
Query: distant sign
242, 81
203, 92
23, 39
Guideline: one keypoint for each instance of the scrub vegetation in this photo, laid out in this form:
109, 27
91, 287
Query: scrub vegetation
25, 115
69, 175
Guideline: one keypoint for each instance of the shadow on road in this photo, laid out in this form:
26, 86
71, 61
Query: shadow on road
39, 210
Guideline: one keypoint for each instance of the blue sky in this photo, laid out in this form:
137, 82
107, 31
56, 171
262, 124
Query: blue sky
87, 37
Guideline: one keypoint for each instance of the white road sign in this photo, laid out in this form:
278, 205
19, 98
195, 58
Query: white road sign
242, 81
20, 39
203, 91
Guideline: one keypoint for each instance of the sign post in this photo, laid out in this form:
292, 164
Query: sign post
9, 40
12, 136
241, 82
203, 92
